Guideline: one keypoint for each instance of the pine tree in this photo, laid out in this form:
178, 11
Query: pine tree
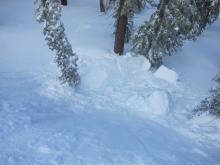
123, 15
49, 13
127, 8
212, 103
172, 23
209, 11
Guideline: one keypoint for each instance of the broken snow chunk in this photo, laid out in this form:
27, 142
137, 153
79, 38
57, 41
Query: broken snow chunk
159, 103
166, 74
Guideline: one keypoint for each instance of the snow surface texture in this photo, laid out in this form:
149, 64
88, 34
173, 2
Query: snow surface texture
120, 115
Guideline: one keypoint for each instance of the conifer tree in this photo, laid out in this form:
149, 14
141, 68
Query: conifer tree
172, 23
123, 15
209, 11
212, 103
48, 13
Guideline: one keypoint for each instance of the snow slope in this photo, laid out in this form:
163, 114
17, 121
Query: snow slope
121, 114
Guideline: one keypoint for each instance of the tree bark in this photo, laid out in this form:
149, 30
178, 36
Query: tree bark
102, 6
120, 34
64, 2
162, 7
139, 5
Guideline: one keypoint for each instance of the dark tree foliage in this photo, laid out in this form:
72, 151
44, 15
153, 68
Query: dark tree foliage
174, 22
64, 2
49, 13
212, 103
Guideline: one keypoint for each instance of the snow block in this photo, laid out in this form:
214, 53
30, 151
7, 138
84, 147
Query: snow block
166, 74
136, 63
95, 79
158, 103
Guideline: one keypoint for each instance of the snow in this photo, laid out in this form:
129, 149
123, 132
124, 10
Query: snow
159, 97
121, 114
166, 74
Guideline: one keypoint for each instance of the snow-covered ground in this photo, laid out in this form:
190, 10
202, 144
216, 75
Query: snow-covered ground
121, 114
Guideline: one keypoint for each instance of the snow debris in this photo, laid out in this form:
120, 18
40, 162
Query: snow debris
166, 74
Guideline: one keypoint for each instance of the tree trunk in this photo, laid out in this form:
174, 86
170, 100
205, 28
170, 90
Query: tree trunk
102, 6
162, 7
120, 34
139, 5
64, 2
